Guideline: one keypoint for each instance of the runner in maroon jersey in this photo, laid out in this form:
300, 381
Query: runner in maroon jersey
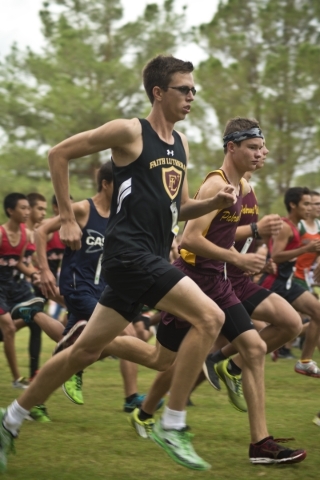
13, 289
206, 246
258, 301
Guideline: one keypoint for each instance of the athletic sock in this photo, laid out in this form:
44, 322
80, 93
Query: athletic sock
233, 369
173, 419
142, 415
131, 397
14, 417
217, 356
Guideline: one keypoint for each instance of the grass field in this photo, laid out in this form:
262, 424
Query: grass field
95, 441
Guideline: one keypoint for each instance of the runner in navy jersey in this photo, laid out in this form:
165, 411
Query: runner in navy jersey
81, 283
206, 244
13, 242
150, 196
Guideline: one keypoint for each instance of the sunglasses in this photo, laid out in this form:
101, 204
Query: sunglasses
185, 90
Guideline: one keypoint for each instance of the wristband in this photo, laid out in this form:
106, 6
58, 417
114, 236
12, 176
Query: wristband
254, 229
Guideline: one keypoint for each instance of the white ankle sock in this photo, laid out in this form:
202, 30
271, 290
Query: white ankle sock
173, 419
14, 417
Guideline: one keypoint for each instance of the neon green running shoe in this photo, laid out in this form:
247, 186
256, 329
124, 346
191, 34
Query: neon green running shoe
233, 384
72, 388
143, 428
6, 443
39, 414
177, 444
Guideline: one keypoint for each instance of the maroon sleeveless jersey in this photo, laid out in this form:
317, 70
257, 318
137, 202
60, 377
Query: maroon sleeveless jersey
221, 231
249, 214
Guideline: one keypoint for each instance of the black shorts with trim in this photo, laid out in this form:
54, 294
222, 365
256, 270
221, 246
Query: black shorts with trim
14, 292
135, 280
280, 287
237, 322
251, 303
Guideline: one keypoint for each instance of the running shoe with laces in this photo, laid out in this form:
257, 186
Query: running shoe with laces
39, 414
271, 452
177, 444
143, 428
72, 388
21, 382
136, 402
210, 373
27, 310
310, 369
6, 443
70, 337
233, 384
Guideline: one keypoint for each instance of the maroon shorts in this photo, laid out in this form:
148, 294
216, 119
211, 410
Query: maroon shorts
249, 293
215, 287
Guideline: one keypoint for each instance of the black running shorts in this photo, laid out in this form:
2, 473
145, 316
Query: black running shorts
135, 280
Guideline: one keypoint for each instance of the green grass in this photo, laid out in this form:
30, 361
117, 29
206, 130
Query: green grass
95, 441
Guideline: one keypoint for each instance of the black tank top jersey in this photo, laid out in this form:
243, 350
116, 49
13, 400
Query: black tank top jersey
145, 193
80, 269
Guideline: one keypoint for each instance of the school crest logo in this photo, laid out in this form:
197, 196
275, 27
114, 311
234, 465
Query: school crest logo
171, 178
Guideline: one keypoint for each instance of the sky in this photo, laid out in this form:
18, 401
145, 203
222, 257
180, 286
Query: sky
19, 21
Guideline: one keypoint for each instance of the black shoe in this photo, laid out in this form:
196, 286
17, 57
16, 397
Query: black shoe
26, 310
70, 337
210, 373
284, 352
271, 452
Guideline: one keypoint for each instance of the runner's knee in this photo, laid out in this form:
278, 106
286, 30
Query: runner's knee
8, 329
255, 351
212, 322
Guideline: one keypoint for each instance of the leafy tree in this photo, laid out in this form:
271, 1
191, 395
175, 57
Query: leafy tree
263, 61
88, 73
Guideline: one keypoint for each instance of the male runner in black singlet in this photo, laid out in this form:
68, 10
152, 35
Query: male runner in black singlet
206, 244
150, 196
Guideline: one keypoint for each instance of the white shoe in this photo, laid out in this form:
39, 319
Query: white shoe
21, 382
